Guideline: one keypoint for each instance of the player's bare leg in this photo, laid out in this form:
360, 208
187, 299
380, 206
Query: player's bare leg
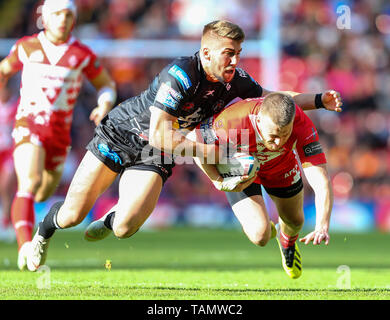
49, 183
91, 179
29, 173
29, 164
138, 195
252, 213
291, 219
139, 191
290, 210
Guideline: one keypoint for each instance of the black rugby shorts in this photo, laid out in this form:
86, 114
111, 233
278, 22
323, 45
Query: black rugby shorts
255, 189
119, 155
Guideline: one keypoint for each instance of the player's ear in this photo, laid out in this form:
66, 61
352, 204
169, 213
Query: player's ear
206, 53
44, 23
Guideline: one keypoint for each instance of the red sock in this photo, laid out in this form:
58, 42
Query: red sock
23, 217
287, 241
6, 222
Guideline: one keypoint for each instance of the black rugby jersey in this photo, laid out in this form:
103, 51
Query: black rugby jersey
182, 90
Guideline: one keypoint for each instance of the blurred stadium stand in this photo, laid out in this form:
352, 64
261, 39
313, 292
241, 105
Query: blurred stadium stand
314, 55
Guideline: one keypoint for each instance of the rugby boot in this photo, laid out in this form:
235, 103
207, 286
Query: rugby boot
36, 256
291, 258
22, 255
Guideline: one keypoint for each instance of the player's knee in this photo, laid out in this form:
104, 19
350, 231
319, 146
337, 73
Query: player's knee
123, 232
260, 238
44, 193
41, 197
30, 185
120, 233
296, 222
71, 220
260, 241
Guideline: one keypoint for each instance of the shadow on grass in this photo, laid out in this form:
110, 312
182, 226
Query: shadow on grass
260, 268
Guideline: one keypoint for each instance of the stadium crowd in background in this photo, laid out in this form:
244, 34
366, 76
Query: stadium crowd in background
315, 55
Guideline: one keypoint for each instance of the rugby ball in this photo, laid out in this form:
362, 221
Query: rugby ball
238, 164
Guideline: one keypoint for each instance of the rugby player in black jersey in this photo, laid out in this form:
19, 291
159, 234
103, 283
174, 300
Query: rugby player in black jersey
138, 138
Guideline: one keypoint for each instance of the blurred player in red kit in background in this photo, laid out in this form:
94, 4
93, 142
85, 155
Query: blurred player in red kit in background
8, 106
52, 64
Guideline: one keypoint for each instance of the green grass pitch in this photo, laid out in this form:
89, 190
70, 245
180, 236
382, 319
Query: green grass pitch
203, 264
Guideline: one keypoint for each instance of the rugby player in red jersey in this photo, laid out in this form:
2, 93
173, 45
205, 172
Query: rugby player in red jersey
52, 63
277, 132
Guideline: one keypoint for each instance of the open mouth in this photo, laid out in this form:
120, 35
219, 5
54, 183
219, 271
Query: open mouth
228, 75
230, 71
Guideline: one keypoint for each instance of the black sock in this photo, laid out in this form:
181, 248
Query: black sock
49, 224
109, 220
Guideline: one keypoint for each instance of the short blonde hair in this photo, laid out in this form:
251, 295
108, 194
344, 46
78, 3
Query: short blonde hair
224, 29
279, 107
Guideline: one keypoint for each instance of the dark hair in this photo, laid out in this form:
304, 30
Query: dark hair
279, 107
225, 29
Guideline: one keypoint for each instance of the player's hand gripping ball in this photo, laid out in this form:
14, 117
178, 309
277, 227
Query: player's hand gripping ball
237, 168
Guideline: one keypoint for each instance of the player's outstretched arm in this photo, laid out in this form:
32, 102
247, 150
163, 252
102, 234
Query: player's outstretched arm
318, 179
329, 100
106, 96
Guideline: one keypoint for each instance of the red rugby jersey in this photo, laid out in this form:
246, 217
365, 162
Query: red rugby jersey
236, 125
51, 80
